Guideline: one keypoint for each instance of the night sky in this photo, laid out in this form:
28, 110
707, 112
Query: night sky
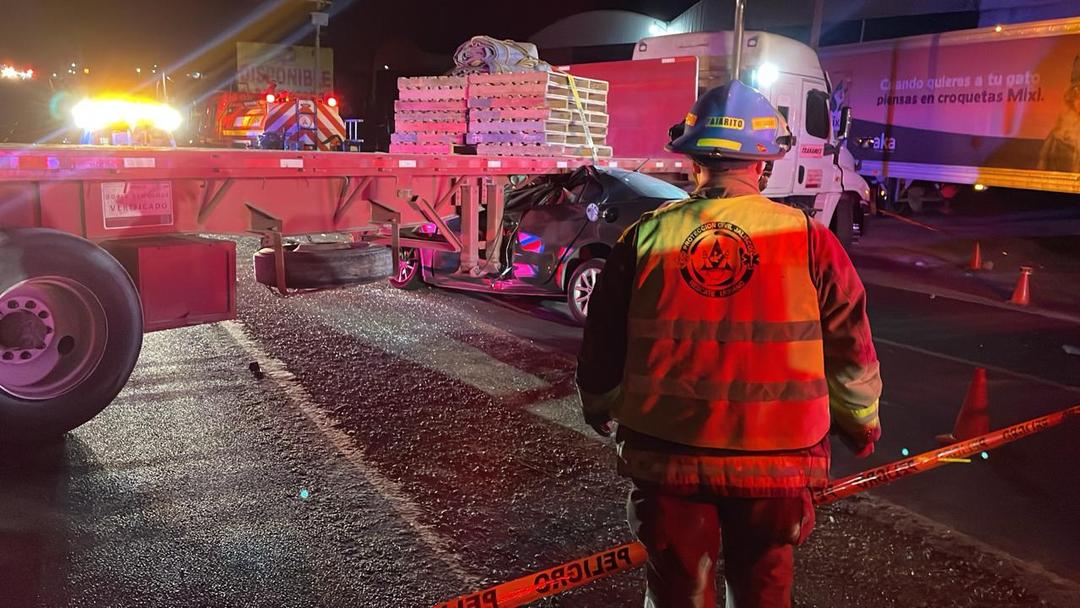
112, 38
115, 35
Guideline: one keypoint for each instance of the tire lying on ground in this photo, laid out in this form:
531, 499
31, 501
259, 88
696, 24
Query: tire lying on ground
321, 265
71, 329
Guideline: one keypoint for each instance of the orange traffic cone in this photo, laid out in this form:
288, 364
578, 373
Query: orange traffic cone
1022, 294
974, 417
976, 258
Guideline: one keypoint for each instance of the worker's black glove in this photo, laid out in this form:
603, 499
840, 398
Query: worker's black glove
596, 410
601, 423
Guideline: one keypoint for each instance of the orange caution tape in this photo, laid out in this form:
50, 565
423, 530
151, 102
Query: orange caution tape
583, 571
564, 577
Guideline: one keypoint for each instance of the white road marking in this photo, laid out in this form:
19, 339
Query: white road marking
994, 368
566, 412
276, 370
432, 349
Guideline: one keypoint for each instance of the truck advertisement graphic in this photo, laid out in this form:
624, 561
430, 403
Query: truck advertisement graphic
966, 103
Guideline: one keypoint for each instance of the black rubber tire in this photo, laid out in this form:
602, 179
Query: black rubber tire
411, 269
843, 221
38, 252
576, 311
324, 265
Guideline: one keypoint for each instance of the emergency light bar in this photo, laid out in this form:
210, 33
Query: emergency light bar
10, 73
95, 114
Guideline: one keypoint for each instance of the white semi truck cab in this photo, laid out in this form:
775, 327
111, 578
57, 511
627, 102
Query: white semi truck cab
818, 173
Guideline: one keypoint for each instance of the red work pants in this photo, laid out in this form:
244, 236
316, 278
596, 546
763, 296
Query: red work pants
683, 535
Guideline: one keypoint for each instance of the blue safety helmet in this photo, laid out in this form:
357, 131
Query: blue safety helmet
733, 121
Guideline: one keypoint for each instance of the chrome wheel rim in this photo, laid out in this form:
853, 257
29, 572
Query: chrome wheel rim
53, 332
583, 288
408, 265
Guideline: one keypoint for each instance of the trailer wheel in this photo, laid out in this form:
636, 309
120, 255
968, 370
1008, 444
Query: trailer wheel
843, 221
580, 288
324, 265
70, 332
410, 274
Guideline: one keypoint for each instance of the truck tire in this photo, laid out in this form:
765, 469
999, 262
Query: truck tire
580, 287
843, 221
71, 329
325, 265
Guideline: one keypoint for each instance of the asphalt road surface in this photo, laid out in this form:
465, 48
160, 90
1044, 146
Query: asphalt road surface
401, 448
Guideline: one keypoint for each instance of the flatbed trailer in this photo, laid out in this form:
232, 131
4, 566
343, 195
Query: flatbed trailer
100, 244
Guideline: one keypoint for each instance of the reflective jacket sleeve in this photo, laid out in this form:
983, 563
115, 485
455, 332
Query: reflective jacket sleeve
603, 347
851, 364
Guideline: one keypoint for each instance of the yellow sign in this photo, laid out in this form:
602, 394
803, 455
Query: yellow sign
727, 122
764, 122
291, 68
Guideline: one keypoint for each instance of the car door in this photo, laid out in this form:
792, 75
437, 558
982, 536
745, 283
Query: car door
547, 230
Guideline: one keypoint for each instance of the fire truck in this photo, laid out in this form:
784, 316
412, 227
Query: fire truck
271, 120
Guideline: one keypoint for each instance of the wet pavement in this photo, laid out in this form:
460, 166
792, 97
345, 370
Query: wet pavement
399, 448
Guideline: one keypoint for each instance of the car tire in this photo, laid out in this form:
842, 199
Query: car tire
410, 275
324, 265
843, 221
580, 287
71, 328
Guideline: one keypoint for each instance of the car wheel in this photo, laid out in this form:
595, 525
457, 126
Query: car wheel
580, 288
324, 265
71, 330
410, 275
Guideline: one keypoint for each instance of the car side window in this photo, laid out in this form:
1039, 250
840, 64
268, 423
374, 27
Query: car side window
588, 191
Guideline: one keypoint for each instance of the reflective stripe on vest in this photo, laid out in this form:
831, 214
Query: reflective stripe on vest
724, 346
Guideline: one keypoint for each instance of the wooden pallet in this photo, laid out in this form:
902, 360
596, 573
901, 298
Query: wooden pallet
430, 106
402, 126
559, 79
533, 137
517, 126
433, 94
427, 138
431, 82
511, 149
426, 116
534, 90
541, 113
431, 149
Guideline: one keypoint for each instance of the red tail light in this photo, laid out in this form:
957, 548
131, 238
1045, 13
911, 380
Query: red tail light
331, 101
270, 98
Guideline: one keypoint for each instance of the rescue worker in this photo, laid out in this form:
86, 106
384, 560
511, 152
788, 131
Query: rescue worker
724, 330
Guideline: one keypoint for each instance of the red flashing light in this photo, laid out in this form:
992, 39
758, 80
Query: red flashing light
270, 98
331, 101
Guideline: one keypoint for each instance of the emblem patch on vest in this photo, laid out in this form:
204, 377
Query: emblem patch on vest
717, 259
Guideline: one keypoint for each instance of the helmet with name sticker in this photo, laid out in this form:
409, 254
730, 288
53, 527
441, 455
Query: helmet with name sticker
733, 121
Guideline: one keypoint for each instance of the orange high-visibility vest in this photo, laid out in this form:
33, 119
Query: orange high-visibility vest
724, 346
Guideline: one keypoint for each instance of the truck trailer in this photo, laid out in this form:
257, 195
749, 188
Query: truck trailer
996, 106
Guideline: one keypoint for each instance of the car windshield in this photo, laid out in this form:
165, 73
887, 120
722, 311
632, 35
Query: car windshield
645, 186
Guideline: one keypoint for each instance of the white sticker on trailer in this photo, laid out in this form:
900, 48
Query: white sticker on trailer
291, 163
136, 204
139, 163
494, 164
406, 163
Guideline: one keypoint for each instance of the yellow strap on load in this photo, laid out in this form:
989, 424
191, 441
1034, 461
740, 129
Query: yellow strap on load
581, 113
